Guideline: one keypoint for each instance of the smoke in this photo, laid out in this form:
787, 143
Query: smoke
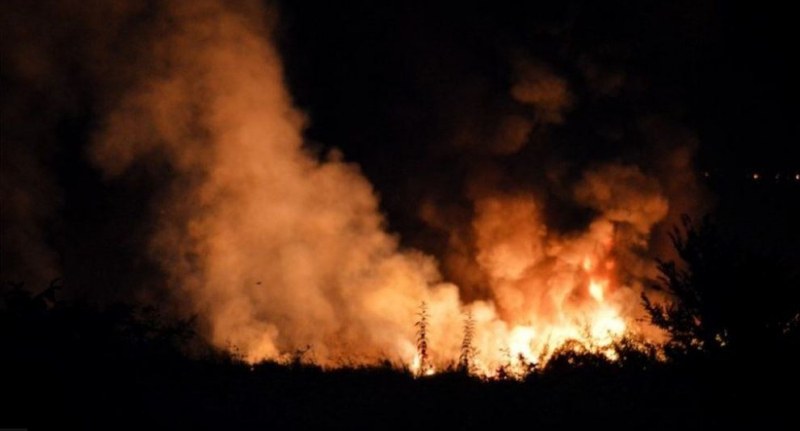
536, 85
29, 192
277, 248
62, 61
273, 248
29, 198
559, 210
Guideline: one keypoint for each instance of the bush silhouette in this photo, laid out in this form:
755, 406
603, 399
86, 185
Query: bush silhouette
724, 295
735, 309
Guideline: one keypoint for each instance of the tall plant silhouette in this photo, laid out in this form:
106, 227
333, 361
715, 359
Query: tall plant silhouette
422, 338
467, 349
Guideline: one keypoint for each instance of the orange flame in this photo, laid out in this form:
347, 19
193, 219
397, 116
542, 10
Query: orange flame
277, 250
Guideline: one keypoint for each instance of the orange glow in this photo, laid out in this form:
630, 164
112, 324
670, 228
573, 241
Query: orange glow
416, 367
278, 250
596, 289
519, 343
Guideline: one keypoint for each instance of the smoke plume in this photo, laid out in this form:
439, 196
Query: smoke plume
275, 249
279, 249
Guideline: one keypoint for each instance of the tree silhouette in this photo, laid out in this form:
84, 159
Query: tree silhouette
722, 293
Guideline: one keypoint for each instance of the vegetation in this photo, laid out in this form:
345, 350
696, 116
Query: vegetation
732, 360
468, 351
723, 297
422, 340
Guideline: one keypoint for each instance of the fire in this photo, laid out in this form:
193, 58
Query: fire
596, 288
277, 249
418, 368
549, 290
519, 343
579, 303
606, 325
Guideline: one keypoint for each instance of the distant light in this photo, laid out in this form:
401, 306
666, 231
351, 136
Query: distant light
797, 177
706, 174
755, 176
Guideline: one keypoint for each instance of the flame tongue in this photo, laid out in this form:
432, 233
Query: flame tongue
277, 250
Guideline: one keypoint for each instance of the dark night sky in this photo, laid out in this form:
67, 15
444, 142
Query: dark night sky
675, 103
391, 85
394, 85
369, 74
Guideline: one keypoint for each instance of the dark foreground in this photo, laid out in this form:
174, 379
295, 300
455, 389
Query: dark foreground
66, 366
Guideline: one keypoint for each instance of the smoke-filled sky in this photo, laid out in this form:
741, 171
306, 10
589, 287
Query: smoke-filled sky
306, 174
425, 97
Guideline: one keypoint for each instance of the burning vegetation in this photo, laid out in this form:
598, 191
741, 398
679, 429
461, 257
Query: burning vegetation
278, 249
388, 216
275, 248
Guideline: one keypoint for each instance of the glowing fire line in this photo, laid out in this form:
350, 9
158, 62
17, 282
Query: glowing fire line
527, 345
